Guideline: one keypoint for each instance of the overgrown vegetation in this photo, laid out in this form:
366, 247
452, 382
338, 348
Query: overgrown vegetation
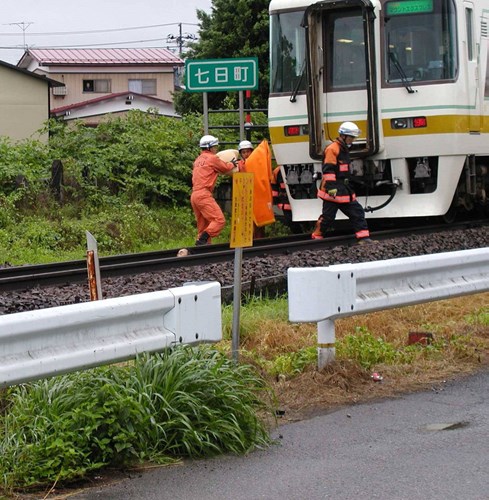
190, 402
127, 182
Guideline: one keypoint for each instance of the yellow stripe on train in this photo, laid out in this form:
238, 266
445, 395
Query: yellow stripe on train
440, 124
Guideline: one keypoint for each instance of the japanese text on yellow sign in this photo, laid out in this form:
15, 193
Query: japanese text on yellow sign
242, 211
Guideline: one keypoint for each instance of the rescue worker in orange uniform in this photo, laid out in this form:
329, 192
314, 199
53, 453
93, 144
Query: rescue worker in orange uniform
336, 191
281, 200
245, 148
206, 168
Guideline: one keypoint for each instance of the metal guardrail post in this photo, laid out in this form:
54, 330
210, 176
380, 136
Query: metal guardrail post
323, 294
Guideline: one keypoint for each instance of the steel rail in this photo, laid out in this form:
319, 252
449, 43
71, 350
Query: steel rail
30, 276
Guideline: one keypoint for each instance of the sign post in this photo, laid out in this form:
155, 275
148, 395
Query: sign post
241, 236
93, 268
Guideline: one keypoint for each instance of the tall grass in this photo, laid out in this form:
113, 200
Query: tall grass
190, 402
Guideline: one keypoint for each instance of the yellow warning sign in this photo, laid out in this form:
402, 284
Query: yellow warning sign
242, 211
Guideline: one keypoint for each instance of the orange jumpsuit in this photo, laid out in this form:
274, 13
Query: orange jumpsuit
207, 212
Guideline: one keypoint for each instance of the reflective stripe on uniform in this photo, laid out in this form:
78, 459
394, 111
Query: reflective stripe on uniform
284, 206
337, 199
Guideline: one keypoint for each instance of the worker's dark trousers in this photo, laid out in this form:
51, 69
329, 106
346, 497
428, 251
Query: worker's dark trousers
353, 210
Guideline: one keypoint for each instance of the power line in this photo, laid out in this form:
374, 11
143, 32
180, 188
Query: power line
88, 45
177, 43
93, 31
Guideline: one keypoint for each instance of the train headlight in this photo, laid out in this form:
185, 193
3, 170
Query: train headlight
404, 123
399, 123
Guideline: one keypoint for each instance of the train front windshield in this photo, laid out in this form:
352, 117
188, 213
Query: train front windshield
419, 41
287, 53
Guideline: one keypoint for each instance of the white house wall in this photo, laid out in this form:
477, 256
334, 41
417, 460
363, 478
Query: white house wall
118, 105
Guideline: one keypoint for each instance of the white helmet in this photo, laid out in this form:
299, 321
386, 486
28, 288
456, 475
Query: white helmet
245, 145
349, 128
208, 141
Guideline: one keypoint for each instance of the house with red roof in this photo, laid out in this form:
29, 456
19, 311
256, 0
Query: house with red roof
98, 82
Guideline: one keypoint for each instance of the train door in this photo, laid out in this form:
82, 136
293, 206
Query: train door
341, 73
473, 76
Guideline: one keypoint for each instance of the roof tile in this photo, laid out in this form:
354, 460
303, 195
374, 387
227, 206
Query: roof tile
105, 56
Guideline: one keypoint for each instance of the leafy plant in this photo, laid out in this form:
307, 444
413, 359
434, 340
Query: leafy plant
293, 363
186, 402
366, 349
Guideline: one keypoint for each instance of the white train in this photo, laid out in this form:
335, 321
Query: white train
412, 74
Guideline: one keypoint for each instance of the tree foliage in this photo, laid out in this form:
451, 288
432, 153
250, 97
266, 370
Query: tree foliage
143, 156
233, 28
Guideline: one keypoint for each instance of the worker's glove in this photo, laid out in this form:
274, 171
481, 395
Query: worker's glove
236, 168
332, 192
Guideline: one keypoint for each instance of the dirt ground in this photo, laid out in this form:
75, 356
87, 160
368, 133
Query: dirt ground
345, 383
341, 384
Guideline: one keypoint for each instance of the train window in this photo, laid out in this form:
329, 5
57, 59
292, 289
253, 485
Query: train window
287, 53
470, 39
345, 54
420, 44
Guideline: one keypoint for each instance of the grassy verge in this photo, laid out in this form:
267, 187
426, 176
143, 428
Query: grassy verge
187, 403
40, 237
286, 353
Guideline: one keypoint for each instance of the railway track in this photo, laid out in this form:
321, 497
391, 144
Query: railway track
30, 276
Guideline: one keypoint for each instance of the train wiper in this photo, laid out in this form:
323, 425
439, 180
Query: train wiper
298, 84
402, 73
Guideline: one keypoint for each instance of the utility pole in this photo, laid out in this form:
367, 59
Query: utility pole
180, 39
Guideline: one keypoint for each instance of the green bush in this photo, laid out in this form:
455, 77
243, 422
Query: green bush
191, 402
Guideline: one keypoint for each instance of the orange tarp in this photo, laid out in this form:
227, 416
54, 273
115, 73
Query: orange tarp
260, 164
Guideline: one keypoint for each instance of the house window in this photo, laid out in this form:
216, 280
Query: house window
146, 86
96, 86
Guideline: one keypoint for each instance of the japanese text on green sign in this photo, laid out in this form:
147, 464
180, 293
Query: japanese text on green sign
408, 7
213, 75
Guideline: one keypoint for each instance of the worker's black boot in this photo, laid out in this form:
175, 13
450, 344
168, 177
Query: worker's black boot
203, 239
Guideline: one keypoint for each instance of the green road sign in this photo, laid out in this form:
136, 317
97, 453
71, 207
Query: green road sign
214, 75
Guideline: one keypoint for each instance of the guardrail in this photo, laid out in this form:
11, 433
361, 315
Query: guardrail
38, 344
323, 294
